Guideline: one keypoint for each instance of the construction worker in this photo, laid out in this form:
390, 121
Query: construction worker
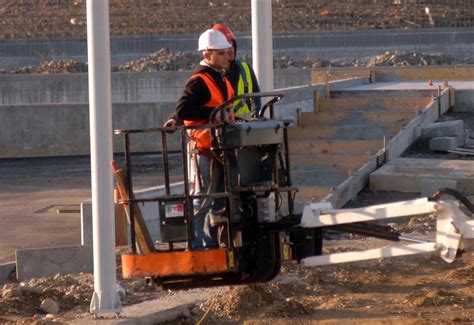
241, 76
206, 89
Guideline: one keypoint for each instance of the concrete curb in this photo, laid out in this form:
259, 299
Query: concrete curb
155, 311
6, 270
159, 316
44, 262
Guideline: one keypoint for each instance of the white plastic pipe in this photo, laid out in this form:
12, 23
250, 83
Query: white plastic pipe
262, 43
105, 298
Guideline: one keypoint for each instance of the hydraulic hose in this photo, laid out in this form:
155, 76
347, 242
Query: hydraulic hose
458, 195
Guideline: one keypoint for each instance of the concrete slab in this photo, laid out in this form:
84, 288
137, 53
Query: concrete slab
446, 143
309, 147
342, 162
321, 178
414, 104
343, 132
429, 186
414, 85
44, 262
381, 93
442, 129
166, 309
6, 271
407, 174
396, 118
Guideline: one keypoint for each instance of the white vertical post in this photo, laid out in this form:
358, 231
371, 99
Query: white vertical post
105, 298
262, 43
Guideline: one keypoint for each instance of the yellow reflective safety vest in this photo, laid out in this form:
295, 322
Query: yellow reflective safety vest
244, 86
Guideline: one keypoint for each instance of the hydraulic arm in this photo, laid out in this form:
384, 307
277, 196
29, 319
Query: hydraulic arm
454, 228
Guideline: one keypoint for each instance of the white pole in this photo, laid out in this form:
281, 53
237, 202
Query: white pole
262, 43
105, 298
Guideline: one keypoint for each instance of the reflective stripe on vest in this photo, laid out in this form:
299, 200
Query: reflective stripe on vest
244, 86
203, 136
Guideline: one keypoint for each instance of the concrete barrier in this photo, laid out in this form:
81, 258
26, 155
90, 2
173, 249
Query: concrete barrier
63, 129
34, 130
6, 271
127, 87
464, 100
45, 262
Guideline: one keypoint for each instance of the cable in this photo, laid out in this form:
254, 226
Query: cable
199, 322
458, 195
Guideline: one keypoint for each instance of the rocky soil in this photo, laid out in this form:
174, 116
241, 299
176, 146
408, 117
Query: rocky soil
409, 290
53, 18
165, 60
419, 289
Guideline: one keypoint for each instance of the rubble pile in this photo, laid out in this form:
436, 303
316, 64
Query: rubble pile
49, 295
409, 58
287, 61
64, 296
53, 66
243, 298
165, 60
162, 60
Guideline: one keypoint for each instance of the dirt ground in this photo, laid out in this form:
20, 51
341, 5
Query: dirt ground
52, 18
419, 289
393, 291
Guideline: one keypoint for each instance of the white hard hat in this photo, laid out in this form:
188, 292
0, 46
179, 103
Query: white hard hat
213, 40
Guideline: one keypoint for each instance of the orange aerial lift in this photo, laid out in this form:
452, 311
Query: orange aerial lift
260, 227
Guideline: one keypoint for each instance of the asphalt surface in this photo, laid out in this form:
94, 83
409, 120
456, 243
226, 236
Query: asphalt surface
34, 189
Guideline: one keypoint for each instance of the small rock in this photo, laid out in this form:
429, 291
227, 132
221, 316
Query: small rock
7, 286
7, 293
38, 316
12, 292
50, 306
25, 288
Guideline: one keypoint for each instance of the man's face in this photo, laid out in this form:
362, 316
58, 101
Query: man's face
231, 53
219, 59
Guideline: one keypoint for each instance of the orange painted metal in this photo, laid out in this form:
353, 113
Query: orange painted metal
175, 263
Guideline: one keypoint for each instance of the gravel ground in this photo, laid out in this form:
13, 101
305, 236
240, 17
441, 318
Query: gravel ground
165, 60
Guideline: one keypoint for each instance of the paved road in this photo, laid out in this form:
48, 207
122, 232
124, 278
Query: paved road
33, 189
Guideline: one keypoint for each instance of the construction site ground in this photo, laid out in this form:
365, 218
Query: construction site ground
418, 289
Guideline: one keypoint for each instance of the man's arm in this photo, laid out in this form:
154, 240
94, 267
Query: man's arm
190, 105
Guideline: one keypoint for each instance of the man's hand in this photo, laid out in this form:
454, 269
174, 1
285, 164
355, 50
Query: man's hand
171, 123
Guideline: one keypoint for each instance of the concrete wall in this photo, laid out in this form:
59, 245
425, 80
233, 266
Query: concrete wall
464, 100
127, 87
63, 129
